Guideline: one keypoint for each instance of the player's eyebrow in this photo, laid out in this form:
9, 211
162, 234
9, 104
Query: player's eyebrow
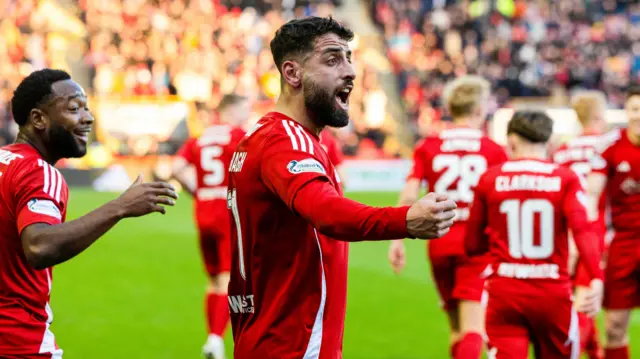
332, 49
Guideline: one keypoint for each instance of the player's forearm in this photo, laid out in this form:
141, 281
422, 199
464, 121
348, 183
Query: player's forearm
186, 184
586, 242
48, 245
595, 186
347, 220
410, 193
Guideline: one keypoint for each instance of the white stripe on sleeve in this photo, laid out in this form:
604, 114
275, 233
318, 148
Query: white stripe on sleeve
294, 142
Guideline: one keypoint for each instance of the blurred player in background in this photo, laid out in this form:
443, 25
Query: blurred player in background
210, 156
51, 111
521, 215
616, 168
577, 154
451, 163
291, 224
332, 147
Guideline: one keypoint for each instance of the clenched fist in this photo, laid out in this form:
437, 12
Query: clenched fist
431, 217
144, 198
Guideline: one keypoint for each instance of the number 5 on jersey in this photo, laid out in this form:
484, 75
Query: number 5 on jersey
210, 162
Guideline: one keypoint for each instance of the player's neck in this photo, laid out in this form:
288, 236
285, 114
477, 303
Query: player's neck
535, 152
633, 138
465, 122
591, 131
294, 108
39, 146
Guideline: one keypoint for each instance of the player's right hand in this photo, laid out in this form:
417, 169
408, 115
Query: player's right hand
592, 302
431, 217
397, 256
144, 198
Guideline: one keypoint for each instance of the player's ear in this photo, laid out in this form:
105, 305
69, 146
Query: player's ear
292, 73
38, 119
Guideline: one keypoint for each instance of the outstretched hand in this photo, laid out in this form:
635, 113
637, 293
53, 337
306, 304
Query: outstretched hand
431, 217
143, 198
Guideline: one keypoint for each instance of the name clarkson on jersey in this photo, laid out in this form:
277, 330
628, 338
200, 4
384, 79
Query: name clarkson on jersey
528, 183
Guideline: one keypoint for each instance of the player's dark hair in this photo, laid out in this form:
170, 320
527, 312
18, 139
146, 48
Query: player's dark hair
230, 99
634, 90
32, 91
297, 37
534, 126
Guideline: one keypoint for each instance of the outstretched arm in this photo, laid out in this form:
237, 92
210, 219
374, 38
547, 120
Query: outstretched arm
344, 219
46, 244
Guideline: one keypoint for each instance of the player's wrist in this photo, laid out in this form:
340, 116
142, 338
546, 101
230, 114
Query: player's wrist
116, 210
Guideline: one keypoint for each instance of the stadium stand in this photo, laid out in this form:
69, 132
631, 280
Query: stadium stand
199, 50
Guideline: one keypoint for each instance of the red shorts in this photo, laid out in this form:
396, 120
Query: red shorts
622, 273
23, 336
514, 320
457, 277
215, 246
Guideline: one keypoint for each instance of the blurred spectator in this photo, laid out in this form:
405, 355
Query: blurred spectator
525, 48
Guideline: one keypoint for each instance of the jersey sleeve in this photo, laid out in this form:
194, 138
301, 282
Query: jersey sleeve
40, 194
602, 160
476, 241
285, 168
186, 151
418, 170
584, 233
341, 218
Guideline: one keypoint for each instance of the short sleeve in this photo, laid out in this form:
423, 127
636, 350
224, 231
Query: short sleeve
40, 194
186, 151
285, 169
601, 161
418, 165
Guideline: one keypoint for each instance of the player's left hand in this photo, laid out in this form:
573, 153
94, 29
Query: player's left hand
592, 301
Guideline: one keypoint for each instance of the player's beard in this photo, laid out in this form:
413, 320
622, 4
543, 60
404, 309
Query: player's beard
64, 143
322, 104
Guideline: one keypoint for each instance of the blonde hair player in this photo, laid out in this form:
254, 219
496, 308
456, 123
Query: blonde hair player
451, 163
615, 168
590, 108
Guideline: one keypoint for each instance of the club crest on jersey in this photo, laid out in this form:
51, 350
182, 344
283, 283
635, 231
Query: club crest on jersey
306, 165
44, 206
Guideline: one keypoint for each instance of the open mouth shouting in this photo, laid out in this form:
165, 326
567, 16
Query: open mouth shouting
342, 97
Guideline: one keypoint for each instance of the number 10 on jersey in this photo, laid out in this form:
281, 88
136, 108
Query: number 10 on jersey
520, 229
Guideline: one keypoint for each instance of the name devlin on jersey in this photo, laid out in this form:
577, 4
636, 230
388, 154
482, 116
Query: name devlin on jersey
241, 303
528, 183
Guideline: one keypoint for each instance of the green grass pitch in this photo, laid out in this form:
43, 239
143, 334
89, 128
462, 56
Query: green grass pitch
138, 293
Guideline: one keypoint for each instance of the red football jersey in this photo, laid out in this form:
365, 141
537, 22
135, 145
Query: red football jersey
32, 191
332, 147
577, 154
287, 294
619, 160
528, 207
451, 163
211, 154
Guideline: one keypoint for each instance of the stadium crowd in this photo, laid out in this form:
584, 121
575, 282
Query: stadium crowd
200, 50
525, 48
